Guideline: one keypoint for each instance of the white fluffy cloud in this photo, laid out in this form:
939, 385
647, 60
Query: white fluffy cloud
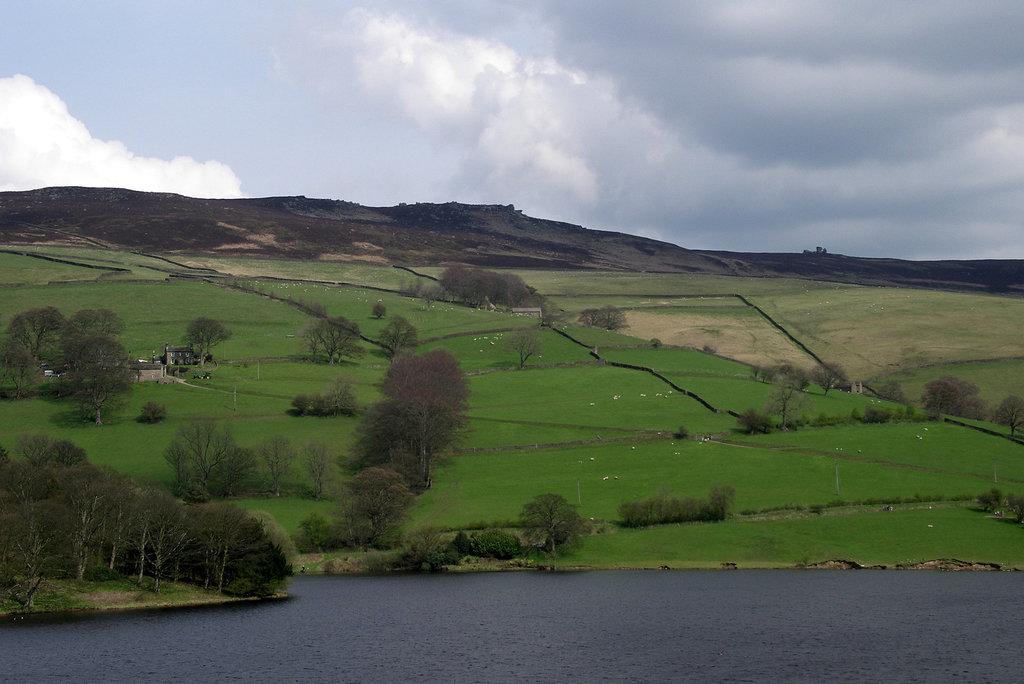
42, 144
526, 128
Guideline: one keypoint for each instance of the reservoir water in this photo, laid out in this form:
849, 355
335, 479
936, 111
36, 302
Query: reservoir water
755, 626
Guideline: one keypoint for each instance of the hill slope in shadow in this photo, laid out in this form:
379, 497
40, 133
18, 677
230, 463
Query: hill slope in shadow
428, 234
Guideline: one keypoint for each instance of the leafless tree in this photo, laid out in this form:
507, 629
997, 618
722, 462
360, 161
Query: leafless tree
95, 321
277, 455
785, 401
1010, 413
167, 533
953, 396
197, 450
377, 502
317, 459
828, 377
525, 342
608, 317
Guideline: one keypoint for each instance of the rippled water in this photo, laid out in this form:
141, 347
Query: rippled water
535, 626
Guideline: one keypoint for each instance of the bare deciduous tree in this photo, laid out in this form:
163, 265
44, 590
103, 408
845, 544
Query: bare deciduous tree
525, 342
785, 401
608, 317
317, 459
196, 452
952, 396
423, 413
828, 377
277, 455
1010, 413
337, 337
377, 502
17, 365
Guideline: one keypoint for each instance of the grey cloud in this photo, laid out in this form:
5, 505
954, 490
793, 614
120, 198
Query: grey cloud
881, 129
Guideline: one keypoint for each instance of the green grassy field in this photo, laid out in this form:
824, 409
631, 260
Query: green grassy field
875, 538
597, 434
157, 313
995, 379
24, 270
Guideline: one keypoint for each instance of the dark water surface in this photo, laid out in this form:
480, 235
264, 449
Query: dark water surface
813, 626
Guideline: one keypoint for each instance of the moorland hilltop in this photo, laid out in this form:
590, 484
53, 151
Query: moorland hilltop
496, 236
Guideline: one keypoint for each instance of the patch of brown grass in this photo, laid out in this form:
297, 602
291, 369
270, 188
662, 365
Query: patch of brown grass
745, 336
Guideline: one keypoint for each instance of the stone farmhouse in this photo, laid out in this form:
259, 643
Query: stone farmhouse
155, 370
178, 356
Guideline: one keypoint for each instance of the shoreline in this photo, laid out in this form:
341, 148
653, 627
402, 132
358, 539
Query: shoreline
933, 565
100, 600
150, 601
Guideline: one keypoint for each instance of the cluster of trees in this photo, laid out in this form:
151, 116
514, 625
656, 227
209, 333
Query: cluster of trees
608, 317
77, 521
370, 509
338, 400
92, 363
206, 461
871, 414
952, 396
430, 549
955, 397
548, 521
786, 400
663, 508
828, 377
398, 441
377, 500
995, 500
421, 415
476, 286
336, 338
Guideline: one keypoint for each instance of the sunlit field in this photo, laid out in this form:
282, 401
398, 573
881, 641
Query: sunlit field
572, 423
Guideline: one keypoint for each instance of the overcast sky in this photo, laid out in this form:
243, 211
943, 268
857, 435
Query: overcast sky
869, 128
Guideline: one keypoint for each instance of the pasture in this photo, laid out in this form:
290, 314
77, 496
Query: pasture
995, 379
874, 331
568, 423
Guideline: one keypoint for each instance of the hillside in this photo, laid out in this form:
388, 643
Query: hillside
422, 234
593, 416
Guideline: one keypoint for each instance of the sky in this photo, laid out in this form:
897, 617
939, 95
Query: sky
885, 129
